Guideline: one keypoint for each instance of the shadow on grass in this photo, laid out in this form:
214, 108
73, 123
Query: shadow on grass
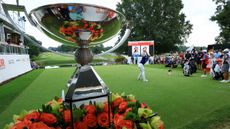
11, 90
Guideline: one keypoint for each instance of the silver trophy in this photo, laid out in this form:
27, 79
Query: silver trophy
84, 25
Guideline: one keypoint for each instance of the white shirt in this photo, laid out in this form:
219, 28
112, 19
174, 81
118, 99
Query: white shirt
217, 68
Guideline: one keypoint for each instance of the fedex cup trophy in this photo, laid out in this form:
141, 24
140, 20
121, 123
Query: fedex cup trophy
84, 25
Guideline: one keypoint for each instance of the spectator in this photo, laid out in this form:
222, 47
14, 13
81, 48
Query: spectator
225, 67
187, 55
135, 55
204, 63
217, 70
199, 58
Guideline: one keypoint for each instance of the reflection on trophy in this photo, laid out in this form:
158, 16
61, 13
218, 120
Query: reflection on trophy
85, 26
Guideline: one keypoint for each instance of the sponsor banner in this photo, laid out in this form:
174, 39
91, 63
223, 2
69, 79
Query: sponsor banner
13, 65
141, 43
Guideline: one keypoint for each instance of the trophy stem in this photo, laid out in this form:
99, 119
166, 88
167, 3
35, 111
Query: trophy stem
83, 55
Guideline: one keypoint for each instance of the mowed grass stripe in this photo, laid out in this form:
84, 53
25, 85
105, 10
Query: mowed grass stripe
10, 91
47, 85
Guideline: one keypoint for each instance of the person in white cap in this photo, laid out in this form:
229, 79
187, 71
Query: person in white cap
226, 65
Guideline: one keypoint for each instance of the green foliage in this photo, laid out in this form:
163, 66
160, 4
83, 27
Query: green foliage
66, 48
33, 50
158, 20
222, 17
120, 59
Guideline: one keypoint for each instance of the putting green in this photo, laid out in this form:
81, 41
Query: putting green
180, 101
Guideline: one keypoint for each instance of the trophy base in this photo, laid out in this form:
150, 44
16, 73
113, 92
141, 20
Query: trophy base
85, 84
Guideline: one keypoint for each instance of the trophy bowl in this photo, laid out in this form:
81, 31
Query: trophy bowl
65, 22
80, 24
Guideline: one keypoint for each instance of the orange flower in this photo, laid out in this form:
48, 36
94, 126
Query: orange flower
90, 109
39, 125
34, 116
127, 110
117, 118
48, 118
117, 102
123, 106
103, 119
128, 124
67, 116
90, 120
80, 125
161, 126
143, 105
59, 100
106, 108
22, 124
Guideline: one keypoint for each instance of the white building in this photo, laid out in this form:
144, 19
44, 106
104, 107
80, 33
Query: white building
14, 58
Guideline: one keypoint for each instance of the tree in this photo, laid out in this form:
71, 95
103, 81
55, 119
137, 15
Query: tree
158, 20
66, 48
33, 50
222, 17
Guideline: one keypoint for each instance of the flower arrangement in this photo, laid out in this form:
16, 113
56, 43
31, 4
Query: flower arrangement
126, 113
69, 29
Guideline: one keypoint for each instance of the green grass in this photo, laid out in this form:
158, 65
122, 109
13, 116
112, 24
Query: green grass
51, 59
182, 102
38, 91
14, 88
48, 58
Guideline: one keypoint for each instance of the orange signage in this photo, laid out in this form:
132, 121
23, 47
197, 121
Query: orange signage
141, 43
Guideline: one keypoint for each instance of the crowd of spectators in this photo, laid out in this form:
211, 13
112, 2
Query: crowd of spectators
214, 62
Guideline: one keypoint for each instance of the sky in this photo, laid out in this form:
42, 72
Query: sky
198, 12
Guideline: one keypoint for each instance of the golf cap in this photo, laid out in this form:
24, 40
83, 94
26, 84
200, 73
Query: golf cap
226, 50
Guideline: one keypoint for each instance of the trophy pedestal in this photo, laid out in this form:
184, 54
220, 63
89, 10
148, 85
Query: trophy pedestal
86, 83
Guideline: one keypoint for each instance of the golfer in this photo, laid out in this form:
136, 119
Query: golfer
144, 59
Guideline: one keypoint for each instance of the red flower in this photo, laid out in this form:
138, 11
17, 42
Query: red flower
123, 106
68, 127
161, 126
128, 109
117, 119
67, 116
48, 118
59, 100
117, 102
86, 25
39, 125
90, 109
90, 120
103, 119
34, 116
80, 125
22, 124
106, 108
143, 105
128, 124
